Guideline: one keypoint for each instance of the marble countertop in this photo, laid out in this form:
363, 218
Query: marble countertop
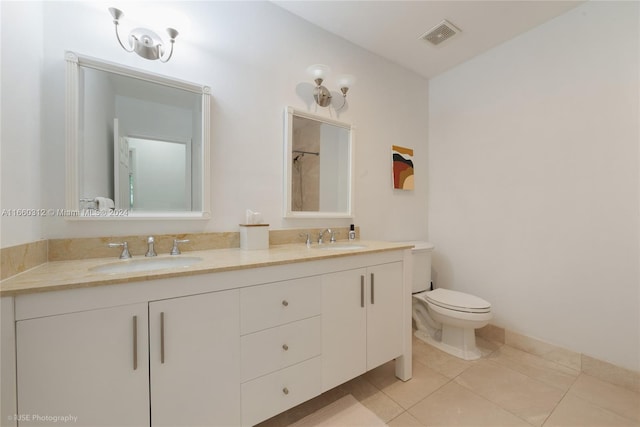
60, 275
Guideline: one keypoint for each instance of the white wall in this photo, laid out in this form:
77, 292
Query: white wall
253, 55
534, 189
21, 174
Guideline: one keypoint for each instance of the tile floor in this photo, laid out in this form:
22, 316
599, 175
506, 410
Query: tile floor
506, 387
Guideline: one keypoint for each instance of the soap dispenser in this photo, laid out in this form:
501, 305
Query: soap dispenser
352, 232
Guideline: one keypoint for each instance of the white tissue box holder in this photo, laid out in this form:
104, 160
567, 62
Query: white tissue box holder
254, 236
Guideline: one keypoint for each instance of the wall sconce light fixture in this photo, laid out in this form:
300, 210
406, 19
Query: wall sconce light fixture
320, 93
144, 42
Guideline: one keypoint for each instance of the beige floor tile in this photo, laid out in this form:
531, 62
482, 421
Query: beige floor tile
423, 382
609, 372
608, 396
444, 363
310, 406
517, 393
574, 411
454, 405
536, 367
543, 349
384, 375
404, 420
376, 401
486, 346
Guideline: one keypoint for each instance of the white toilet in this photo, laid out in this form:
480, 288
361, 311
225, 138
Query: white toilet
445, 319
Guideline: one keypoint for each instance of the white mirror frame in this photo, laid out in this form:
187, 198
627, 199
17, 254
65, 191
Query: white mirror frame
289, 113
72, 102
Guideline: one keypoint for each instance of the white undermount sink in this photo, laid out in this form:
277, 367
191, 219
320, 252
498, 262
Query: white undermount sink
146, 264
340, 247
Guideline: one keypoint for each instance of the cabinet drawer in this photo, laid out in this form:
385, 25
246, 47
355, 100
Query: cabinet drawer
274, 304
267, 396
276, 348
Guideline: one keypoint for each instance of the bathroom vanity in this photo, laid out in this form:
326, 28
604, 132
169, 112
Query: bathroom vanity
232, 340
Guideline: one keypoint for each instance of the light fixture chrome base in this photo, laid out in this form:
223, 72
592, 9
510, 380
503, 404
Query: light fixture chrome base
322, 96
146, 43
143, 41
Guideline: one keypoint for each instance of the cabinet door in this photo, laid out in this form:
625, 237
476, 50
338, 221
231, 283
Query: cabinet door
344, 323
384, 313
195, 360
92, 365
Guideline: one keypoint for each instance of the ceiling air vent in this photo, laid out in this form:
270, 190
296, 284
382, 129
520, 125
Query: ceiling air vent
441, 32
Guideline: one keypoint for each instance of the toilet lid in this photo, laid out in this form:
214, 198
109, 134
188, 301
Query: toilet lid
457, 301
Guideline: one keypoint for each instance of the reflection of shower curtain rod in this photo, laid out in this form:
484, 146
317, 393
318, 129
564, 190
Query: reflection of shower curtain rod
305, 152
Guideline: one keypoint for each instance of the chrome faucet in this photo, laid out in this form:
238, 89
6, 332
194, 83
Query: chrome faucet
125, 249
321, 236
150, 250
175, 250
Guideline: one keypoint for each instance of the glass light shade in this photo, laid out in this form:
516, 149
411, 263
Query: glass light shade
318, 71
346, 80
116, 13
173, 33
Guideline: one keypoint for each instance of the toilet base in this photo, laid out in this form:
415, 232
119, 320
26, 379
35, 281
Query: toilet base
457, 342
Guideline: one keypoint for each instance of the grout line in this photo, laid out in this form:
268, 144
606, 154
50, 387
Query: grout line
559, 401
554, 370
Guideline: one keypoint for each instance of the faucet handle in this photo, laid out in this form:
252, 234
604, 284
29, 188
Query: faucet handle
175, 250
125, 249
307, 236
333, 236
150, 247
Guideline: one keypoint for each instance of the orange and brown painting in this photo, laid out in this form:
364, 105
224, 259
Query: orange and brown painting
402, 167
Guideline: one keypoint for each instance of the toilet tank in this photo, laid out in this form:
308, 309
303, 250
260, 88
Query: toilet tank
421, 266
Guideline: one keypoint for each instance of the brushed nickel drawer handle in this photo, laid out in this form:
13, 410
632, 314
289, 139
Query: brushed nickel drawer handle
372, 290
285, 302
285, 347
135, 343
162, 337
285, 390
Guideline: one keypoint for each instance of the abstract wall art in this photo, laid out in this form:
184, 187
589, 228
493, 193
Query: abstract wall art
402, 159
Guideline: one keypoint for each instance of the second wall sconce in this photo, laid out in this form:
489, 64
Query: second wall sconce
320, 93
144, 42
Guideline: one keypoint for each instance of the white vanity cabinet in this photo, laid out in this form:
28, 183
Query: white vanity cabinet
228, 348
362, 321
195, 360
109, 366
280, 346
92, 365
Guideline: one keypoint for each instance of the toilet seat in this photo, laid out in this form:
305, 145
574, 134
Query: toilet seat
456, 301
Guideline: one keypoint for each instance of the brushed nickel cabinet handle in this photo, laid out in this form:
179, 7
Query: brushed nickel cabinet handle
362, 291
285, 390
372, 290
162, 337
285, 347
285, 302
135, 342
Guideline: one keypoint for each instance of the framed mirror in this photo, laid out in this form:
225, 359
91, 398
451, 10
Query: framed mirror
318, 166
137, 143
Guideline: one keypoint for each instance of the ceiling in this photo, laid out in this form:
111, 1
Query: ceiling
392, 28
